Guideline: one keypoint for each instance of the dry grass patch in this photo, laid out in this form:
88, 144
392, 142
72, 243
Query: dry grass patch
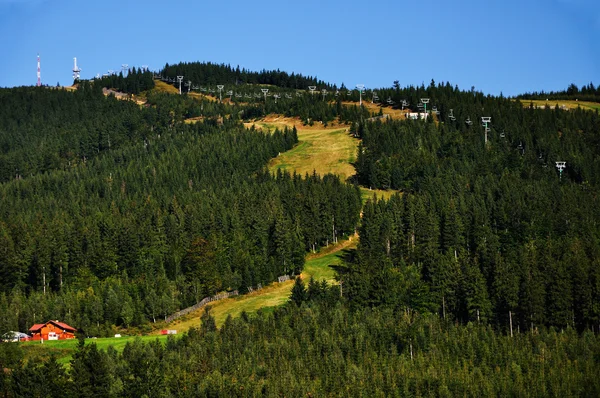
594, 106
374, 108
366, 193
200, 96
161, 86
331, 150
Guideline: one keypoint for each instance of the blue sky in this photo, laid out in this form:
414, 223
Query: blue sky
509, 46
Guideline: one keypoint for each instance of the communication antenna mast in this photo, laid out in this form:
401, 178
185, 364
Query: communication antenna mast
39, 72
485, 120
179, 79
561, 166
265, 91
360, 88
76, 70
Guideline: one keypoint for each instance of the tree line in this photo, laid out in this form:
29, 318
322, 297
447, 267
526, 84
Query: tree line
587, 92
322, 348
213, 74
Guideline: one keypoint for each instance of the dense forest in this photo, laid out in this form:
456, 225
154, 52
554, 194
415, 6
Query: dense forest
486, 230
585, 93
134, 81
324, 349
207, 73
480, 276
137, 193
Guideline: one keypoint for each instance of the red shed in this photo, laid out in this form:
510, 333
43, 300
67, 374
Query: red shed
52, 330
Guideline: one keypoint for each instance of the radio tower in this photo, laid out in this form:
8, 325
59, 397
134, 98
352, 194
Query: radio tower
76, 70
39, 73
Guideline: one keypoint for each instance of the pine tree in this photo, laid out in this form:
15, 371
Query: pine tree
299, 294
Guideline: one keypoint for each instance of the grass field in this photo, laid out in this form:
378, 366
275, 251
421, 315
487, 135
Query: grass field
64, 349
159, 85
366, 193
374, 108
593, 106
276, 294
328, 150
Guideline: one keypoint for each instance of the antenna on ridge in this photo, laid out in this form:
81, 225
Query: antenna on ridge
76, 70
39, 72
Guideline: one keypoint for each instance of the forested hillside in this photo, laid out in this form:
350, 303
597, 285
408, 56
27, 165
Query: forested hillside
479, 277
324, 349
485, 231
131, 192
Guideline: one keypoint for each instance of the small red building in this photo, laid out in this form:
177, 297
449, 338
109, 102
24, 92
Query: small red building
52, 330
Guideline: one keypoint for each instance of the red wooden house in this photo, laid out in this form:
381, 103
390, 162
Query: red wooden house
52, 330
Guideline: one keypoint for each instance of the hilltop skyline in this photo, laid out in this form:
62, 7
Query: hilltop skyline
506, 47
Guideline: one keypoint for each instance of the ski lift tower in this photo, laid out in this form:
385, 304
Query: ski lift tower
124, 69
265, 91
425, 101
220, 87
561, 166
76, 70
179, 80
360, 88
485, 120
324, 92
312, 89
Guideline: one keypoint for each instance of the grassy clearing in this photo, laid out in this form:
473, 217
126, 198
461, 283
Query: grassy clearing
276, 294
200, 96
64, 349
329, 150
366, 193
161, 86
594, 106
374, 108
